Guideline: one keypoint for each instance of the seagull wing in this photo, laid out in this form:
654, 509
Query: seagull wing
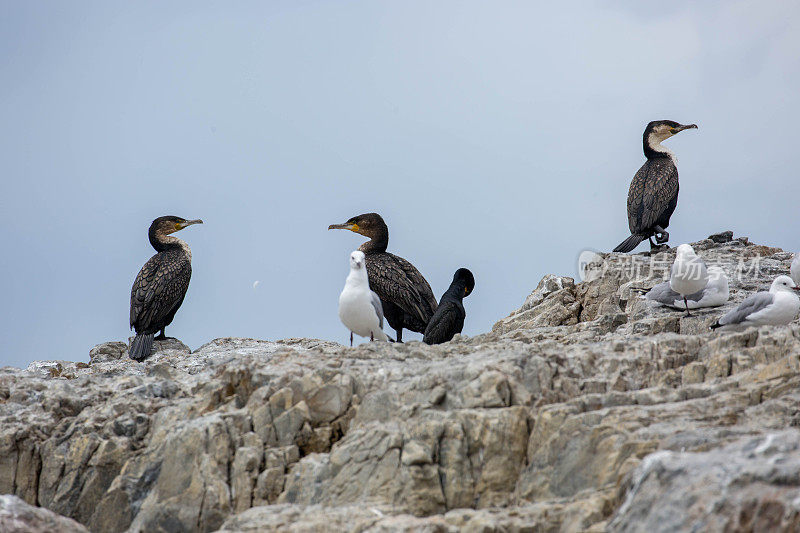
376, 303
752, 304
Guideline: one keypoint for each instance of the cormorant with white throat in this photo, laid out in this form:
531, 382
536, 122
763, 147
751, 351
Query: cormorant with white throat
407, 298
449, 316
161, 284
653, 194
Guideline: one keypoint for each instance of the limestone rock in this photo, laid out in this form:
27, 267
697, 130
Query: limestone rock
16, 516
750, 485
580, 411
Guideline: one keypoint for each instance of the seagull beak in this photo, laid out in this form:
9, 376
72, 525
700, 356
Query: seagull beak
190, 222
346, 225
796, 288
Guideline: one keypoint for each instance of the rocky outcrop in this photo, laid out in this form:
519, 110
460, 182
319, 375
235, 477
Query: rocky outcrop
16, 516
586, 409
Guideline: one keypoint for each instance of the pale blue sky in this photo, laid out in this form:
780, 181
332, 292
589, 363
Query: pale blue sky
498, 136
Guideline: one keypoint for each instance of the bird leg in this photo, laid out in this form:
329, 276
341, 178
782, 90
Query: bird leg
162, 336
662, 235
351, 339
371, 337
686, 303
399, 335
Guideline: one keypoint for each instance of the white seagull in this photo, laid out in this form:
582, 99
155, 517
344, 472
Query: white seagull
777, 307
688, 275
360, 309
714, 294
794, 270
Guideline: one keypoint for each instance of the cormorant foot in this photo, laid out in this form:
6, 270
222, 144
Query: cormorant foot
161, 337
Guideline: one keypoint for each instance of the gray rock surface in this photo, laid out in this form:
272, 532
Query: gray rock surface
553, 421
17, 516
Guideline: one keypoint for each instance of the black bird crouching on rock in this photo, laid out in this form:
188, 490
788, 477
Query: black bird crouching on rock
161, 284
449, 316
406, 296
653, 194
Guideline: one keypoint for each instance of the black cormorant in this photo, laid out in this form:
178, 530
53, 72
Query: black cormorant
160, 285
654, 190
449, 316
407, 299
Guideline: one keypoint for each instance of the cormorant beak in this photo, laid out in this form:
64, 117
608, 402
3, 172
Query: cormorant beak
679, 129
190, 222
346, 225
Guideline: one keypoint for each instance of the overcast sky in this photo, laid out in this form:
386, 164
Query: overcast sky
498, 136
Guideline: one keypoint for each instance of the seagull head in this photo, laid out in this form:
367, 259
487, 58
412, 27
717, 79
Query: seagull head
685, 251
783, 283
357, 260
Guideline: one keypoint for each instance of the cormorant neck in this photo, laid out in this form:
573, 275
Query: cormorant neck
653, 149
455, 291
378, 243
162, 242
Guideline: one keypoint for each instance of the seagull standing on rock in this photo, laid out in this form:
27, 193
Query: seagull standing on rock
688, 275
360, 309
777, 307
714, 294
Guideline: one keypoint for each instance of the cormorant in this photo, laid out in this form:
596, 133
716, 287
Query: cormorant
161, 284
654, 190
777, 307
360, 309
688, 275
449, 316
407, 299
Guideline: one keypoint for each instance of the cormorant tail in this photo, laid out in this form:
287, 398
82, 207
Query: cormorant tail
141, 347
630, 243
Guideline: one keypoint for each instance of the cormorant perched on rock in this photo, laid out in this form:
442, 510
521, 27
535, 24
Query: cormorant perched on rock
407, 299
449, 316
654, 190
160, 285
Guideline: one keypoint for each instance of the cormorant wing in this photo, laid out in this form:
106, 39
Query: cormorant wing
376, 303
160, 285
396, 280
446, 322
653, 189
